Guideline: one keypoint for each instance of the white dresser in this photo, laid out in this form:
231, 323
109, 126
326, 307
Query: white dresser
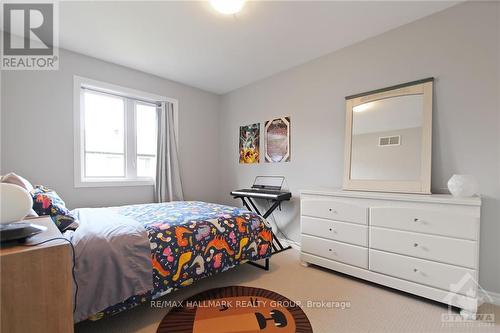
427, 245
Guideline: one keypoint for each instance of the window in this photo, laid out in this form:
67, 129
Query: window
115, 135
146, 139
104, 131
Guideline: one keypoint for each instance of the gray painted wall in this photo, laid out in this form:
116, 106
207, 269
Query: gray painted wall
37, 130
459, 47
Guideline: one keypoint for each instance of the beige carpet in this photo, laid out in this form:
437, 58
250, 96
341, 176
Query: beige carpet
372, 308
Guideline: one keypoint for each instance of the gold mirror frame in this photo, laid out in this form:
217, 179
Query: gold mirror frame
421, 186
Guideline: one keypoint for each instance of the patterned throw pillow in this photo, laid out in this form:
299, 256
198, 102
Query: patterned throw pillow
47, 202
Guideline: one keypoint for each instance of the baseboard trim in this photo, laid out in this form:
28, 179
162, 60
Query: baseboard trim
495, 297
295, 245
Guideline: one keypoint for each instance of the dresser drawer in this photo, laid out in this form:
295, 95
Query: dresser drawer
438, 222
335, 210
425, 272
348, 254
448, 250
341, 231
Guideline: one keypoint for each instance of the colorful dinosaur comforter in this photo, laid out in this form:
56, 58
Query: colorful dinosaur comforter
191, 240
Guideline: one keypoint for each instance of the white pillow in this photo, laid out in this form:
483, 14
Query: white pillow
12, 178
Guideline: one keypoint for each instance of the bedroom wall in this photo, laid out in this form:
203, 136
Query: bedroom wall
459, 47
37, 130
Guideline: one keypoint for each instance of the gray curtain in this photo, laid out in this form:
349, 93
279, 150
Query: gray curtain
168, 185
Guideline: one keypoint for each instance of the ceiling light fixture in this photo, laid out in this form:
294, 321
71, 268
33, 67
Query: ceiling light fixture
227, 7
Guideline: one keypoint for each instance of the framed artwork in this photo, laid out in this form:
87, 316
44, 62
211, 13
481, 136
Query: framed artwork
249, 144
277, 140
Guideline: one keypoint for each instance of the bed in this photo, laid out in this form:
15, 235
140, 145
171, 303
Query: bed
129, 255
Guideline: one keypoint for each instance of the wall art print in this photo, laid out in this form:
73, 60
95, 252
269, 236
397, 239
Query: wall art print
277, 140
249, 144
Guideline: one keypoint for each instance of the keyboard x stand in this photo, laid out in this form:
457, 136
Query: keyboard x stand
276, 200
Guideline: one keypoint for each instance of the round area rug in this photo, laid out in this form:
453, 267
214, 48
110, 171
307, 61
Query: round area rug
236, 309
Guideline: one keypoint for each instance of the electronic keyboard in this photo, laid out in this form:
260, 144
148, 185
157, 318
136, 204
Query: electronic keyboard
262, 194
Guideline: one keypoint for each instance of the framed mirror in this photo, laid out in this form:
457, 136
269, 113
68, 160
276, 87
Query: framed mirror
389, 139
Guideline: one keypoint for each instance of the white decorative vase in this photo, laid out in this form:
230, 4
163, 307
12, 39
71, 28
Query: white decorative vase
463, 186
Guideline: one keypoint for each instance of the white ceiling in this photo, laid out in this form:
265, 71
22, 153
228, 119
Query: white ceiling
188, 42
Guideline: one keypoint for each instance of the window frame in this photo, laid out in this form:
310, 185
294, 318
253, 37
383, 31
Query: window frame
130, 97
